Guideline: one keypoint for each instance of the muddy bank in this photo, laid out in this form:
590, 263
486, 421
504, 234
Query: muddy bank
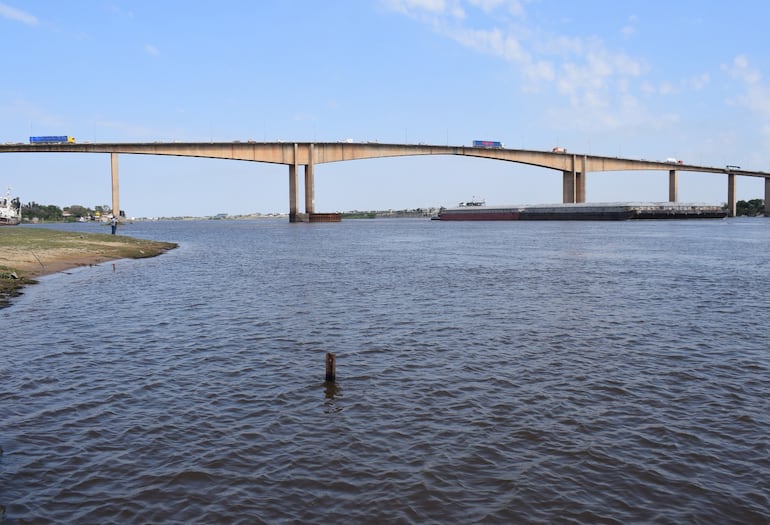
27, 253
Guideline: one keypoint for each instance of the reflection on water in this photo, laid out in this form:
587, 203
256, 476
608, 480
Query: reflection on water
502, 373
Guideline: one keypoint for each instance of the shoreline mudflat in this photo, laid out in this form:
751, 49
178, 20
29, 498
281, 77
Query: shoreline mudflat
27, 253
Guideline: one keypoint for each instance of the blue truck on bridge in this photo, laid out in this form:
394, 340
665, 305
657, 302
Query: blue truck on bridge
488, 144
52, 139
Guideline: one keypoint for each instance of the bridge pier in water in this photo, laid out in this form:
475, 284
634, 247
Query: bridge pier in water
574, 182
573, 187
731, 200
673, 186
767, 197
310, 182
115, 185
294, 214
310, 214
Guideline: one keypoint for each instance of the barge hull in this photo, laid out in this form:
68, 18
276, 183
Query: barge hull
584, 212
610, 215
501, 215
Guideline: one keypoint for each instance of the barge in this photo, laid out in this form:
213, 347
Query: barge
583, 212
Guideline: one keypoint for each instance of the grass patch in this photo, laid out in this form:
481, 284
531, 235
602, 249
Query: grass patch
29, 252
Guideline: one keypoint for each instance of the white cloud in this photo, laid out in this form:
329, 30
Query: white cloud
700, 82
486, 5
589, 81
151, 50
756, 96
119, 11
18, 15
421, 8
492, 42
666, 88
629, 29
579, 68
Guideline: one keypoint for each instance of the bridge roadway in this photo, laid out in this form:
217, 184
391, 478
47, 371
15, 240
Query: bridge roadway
574, 167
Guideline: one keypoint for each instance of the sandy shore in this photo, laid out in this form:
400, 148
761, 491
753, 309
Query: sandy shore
49, 261
28, 253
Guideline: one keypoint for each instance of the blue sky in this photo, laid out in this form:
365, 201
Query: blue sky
639, 79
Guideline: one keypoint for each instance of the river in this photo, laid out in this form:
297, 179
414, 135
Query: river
500, 372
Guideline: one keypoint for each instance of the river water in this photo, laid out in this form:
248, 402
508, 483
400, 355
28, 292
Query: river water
501, 372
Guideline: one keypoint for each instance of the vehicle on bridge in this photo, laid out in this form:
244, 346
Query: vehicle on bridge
558, 149
52, 139
492, 144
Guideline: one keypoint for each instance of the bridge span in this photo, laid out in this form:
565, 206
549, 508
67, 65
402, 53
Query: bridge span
574, 167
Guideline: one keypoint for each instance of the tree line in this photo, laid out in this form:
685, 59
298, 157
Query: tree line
52, 213
750, 208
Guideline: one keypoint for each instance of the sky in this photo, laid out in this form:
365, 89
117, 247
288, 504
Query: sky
637, 79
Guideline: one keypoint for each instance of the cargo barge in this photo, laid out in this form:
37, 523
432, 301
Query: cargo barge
582, 212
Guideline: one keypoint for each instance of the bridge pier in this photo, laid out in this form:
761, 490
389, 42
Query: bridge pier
673, 185
573, 187
310, 182
568, 187
580, 187
731, 203
293, 188
574, 183
294, 213
115, 185
767, 197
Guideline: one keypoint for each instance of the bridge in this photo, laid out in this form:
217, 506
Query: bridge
574, 167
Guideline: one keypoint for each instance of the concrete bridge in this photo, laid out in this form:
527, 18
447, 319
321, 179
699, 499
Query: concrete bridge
574, 167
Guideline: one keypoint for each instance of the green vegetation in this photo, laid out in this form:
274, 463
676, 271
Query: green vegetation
751, 208
47, 213
33, 211
359, 215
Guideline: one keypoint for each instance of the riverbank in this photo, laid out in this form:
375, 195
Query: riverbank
28, 253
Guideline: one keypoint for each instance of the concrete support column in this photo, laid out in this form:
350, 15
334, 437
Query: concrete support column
569, 180
293, 188
767, 197
731, 202
115, 185
568, 187
673, 186
310, 182
580, 183
580, 187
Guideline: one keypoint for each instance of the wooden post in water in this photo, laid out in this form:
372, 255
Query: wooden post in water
331, 367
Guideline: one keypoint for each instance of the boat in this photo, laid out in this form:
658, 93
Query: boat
473, 202
10, 210
583, 212
480, 213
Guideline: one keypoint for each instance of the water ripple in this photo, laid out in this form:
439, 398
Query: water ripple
495, 373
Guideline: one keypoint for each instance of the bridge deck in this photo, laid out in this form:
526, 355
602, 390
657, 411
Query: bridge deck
305, 153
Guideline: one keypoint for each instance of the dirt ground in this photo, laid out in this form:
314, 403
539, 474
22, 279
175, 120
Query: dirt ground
48, 261
27, 253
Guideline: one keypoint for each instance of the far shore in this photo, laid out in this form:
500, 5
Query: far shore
29, 253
